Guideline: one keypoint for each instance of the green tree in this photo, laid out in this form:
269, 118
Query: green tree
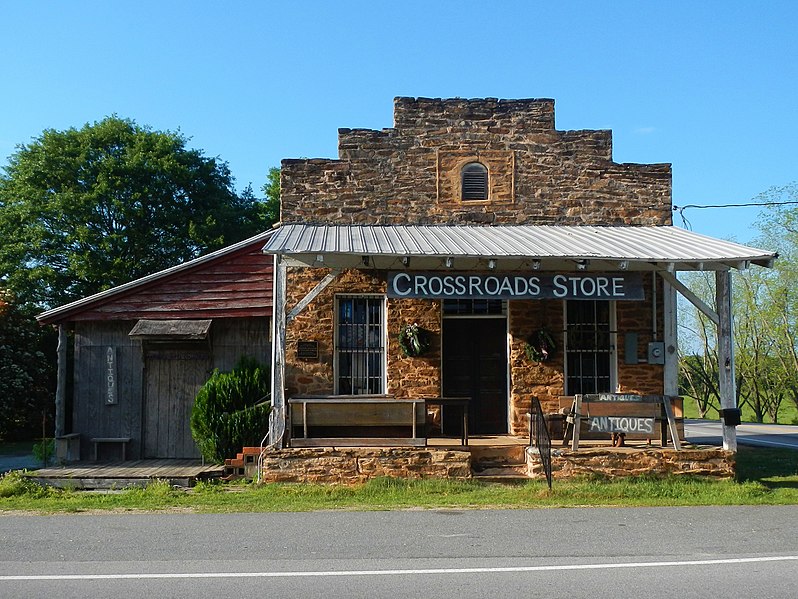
27, 378
271, 207
87, 209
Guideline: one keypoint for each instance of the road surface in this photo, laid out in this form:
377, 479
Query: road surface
446, 554
708, 432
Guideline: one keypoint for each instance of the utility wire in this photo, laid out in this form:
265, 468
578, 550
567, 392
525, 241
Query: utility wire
688, 226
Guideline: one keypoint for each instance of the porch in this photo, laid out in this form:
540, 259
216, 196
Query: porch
491, 458
117, 475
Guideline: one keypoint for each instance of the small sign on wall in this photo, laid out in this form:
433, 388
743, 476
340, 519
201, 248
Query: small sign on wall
110, 377
307, 350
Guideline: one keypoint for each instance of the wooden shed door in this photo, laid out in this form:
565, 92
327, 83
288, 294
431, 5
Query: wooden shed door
173, 377
475, 366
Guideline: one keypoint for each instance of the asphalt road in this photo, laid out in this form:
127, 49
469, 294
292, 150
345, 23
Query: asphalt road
574, 553
708, 432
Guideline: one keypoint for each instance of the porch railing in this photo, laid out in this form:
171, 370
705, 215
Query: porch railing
539, 437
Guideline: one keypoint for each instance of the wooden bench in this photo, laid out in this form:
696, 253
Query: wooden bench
121, 441
67, 448
339, 417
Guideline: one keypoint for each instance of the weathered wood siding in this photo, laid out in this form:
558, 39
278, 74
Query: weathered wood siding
233, 338
153, 403
91, 416
239, 286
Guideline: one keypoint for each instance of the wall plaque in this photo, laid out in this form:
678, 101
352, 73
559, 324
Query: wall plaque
307, 350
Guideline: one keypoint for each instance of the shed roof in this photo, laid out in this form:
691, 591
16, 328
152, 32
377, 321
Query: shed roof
232, 281
511, 246
171, 330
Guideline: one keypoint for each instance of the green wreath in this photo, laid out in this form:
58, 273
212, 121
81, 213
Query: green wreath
414, 340
540, 346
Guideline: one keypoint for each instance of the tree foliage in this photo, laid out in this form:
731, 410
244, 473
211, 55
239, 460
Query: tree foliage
271, 207
231, 411
765, 306
83, 210
26, 375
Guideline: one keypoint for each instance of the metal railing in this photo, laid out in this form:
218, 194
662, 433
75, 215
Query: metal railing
539, 437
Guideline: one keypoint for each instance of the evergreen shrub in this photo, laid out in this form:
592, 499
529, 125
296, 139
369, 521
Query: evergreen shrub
231, 410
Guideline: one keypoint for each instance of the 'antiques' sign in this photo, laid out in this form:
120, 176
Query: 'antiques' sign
110, 376
621, 424
436, 285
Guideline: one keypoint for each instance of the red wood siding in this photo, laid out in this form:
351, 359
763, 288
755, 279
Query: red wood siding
237, 285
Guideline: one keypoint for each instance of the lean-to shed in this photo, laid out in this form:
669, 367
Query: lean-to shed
132, 358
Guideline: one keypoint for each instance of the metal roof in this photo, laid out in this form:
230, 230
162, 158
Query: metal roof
384, 246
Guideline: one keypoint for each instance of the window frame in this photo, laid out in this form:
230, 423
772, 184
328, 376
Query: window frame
611, 349
383, 340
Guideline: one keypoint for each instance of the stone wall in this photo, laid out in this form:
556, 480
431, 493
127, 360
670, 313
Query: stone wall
407, 377
538, 175
613, 462
357, 465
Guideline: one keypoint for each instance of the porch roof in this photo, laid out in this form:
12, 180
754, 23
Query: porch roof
546, 247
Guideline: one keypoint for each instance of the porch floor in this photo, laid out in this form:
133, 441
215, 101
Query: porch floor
116, 475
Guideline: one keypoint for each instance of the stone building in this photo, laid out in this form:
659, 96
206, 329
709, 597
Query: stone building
533, 265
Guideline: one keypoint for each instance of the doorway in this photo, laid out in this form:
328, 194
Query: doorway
475, 366
173, 376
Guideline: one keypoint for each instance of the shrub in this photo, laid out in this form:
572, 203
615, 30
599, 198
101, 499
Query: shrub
231, 410
16, 484
44, 451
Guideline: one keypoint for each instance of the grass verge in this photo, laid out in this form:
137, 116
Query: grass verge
765, 477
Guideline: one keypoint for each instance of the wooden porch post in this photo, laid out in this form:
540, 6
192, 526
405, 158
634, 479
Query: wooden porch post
726, 380
277, 416
670, 336
61, 382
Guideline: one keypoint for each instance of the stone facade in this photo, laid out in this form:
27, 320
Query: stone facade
613, 462
349, 465
410, 174
539, 175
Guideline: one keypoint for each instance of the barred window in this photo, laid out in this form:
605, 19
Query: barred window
588, 347
360, 345
475, 181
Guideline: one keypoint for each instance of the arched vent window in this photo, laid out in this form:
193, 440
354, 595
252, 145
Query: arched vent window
475, 181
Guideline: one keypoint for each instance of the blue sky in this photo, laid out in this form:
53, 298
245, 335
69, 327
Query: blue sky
710, 87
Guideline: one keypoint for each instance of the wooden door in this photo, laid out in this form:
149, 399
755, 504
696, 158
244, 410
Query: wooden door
173, 377
475, 366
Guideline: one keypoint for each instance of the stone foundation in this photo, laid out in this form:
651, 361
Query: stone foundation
350, 465
614, 463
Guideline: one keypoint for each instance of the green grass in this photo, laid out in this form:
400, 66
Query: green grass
765, 477
788, 412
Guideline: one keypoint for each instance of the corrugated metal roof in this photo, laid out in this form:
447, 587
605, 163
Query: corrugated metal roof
665, 244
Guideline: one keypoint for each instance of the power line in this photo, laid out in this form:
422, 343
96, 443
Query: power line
687, 225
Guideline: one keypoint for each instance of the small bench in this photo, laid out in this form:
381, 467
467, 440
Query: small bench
348, 413
122, 441
67, 448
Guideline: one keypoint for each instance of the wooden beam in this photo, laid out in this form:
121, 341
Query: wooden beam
670, 337
277, 414
726, 380
61, 382
305, 301
691, 297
